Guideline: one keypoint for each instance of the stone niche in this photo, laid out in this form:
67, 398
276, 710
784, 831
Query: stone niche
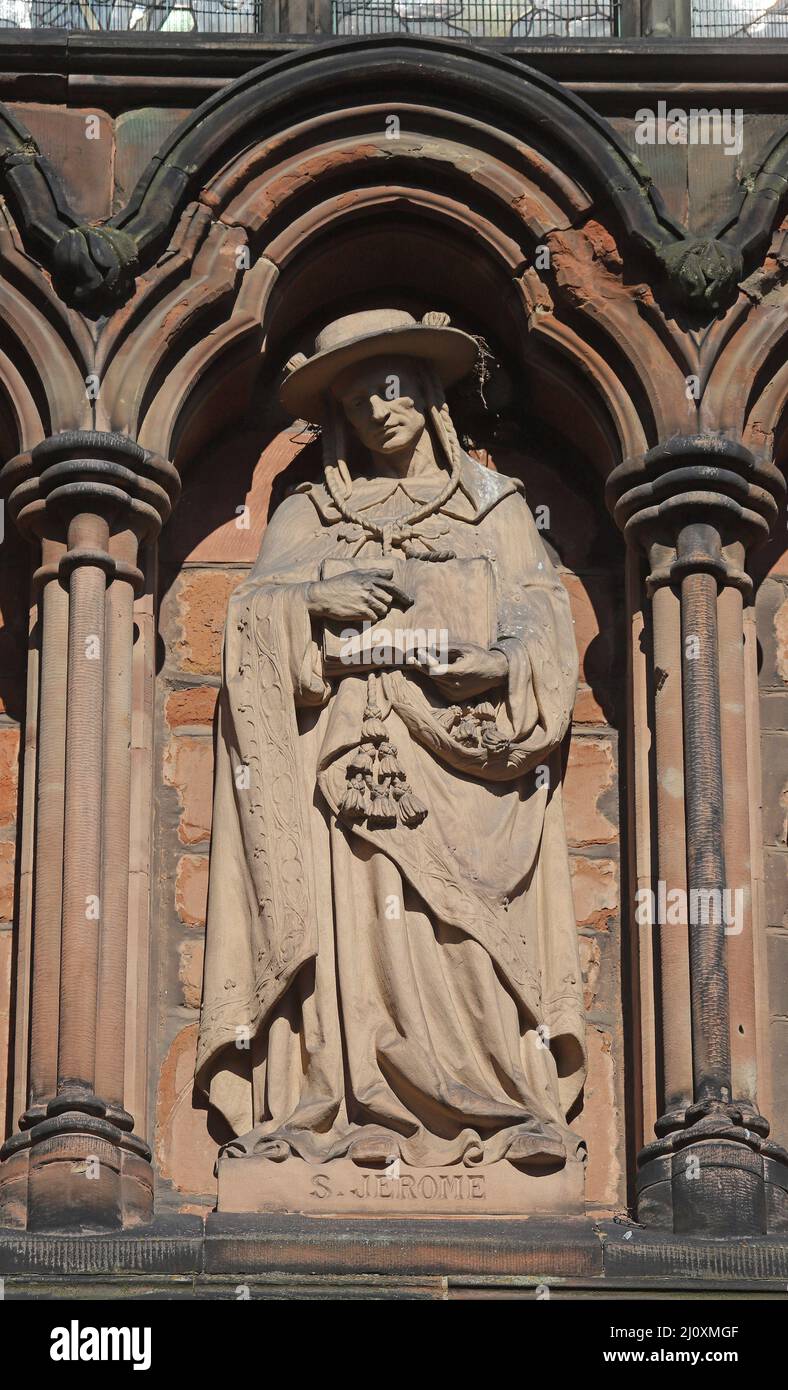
206, 554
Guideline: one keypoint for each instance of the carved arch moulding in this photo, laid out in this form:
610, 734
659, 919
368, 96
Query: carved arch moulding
471, 183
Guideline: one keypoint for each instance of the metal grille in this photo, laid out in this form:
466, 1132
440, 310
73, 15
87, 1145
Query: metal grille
478, 18
444, 18
518, 19
727, 19
172, 16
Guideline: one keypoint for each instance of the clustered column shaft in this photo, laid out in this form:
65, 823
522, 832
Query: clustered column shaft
695, 504
91, 499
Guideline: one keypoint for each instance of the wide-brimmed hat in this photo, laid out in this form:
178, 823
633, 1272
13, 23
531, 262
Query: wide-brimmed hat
374, 333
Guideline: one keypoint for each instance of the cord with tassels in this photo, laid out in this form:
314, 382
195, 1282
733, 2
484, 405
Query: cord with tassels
387, 799
474, 726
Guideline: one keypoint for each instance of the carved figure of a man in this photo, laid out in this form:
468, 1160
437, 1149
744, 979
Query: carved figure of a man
391, 957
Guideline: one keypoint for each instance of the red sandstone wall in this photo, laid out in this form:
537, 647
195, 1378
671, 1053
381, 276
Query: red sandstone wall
14, 620
772, 627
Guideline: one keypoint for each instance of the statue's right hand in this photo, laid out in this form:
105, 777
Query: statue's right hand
357, 594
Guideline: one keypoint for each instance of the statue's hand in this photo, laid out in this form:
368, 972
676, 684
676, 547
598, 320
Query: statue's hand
357, 594
468, 670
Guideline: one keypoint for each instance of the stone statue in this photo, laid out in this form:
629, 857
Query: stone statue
391, 960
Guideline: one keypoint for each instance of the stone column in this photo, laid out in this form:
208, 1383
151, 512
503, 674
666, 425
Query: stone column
696, 504
91, 499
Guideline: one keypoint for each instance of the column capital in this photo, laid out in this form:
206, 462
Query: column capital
696, 503
91, 472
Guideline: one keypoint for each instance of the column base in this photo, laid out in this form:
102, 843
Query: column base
75, 1173
714, 1178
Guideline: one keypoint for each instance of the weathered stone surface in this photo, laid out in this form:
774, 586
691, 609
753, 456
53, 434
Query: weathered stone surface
7, 865
775, 789
591, 964
191, 889
690, 1262
138, 135
540, 1246
9, 775
185, 1150
772, 615
80, 145
587, 708
600, 1123
190, 972
777, 946
14, 581
188, 767
781, 639
596, 633
590, 778
6, 966
195, 705
202, 597
778, 1038
775, 877
225, 526
595, 890
774, 710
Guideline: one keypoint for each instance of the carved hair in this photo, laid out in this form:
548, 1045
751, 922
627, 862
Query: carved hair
340, 484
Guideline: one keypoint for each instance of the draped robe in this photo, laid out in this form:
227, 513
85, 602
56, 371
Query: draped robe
418, 983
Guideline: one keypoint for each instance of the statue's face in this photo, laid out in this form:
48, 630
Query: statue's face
384, 403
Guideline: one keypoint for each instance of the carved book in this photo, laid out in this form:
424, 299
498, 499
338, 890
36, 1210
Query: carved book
452, 600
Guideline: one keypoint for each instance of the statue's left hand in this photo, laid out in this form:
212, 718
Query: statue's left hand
469, 670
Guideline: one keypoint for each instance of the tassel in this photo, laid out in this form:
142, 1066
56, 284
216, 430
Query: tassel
373, 727
387, 761
383, 809
494, 740
382, 803
467, 731
354, 803
485, 710
411, 811
363, 760
449, 717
